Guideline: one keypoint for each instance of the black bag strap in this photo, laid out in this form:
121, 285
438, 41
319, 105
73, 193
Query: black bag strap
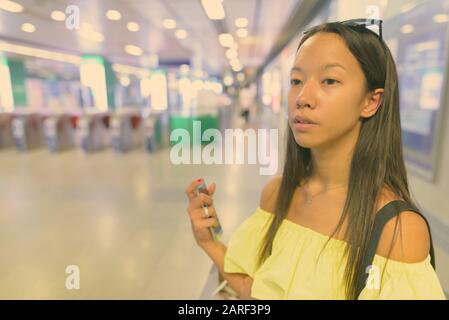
387, 212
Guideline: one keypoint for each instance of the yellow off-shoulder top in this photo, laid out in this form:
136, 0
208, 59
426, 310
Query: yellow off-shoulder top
293, 270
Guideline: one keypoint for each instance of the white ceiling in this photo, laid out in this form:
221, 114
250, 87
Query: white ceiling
266, 18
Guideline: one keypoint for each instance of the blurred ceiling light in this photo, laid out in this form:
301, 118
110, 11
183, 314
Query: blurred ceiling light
184, 69
228, 80
241, 22
57, 15
214, 9
441, 18
217, 87
133, 26
242, 33
231, 54
122, 68
429, 45
237, 68
28, 27
169, 23
11, 6
407, 7
181, 34
407, 28
39, 53
226, 40
133, 50
113, 15
234, 62
86, 31
124, 81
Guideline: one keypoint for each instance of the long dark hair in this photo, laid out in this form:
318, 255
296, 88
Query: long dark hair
377, 160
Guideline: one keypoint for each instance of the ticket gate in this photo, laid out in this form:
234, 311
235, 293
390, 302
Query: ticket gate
150, 131
6, 138
93, 131
59, 132
27, 129
126, 131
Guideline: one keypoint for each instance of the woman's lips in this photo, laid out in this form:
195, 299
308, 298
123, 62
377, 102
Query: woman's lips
302, 123
303, 127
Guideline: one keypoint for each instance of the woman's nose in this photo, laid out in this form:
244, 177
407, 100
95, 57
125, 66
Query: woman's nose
305, 97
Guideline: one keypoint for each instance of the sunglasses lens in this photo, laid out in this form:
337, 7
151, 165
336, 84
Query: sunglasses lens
374, 28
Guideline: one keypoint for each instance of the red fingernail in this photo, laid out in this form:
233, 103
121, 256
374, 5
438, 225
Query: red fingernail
199, 180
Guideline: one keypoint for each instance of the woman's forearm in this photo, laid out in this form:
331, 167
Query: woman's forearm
240, 283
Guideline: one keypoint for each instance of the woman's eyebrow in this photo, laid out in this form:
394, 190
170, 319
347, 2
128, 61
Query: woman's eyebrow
333, 65
325, 67
297, 69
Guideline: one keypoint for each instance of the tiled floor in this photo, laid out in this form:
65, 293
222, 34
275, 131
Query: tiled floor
121, 218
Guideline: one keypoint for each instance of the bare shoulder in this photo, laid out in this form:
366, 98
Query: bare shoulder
407, 235
386, 196
269, 194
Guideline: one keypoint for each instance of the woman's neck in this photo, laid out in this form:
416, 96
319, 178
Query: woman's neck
331, 166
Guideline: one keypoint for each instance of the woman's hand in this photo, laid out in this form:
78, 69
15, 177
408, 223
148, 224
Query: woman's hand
200, 222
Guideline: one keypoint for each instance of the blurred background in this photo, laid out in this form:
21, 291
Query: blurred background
91, 90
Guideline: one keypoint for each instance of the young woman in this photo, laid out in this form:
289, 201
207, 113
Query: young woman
312, 234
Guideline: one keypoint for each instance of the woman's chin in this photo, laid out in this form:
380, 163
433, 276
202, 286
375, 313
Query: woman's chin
304, 142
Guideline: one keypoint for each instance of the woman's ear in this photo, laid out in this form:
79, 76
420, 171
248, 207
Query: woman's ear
372, 103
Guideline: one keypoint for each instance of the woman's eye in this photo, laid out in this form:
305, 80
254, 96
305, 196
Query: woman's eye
330, 81
295, 82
